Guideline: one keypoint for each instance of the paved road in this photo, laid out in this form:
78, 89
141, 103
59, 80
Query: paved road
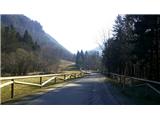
91, 90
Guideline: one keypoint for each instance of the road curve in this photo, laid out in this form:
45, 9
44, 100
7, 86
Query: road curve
90, 90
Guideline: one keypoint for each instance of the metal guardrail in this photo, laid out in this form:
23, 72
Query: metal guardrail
123, 78
16, 80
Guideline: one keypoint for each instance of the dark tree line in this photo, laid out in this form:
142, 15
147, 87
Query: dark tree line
88, 60
20, 54
134, 49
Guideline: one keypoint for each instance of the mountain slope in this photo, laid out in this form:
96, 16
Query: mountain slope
47, 43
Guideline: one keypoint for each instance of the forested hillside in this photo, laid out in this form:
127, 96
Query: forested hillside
27, 48
134, 49
48, 44
20, 54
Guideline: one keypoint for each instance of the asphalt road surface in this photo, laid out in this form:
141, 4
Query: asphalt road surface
90, 90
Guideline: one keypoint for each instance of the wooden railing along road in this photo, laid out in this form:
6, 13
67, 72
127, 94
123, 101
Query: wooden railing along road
132, 81
54, 77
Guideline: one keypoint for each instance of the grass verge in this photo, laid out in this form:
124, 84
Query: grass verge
25, 90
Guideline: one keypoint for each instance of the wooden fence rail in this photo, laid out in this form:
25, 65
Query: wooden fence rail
123, 80
16, 80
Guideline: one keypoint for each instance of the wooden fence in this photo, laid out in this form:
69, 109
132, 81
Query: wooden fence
54, 77
131, 81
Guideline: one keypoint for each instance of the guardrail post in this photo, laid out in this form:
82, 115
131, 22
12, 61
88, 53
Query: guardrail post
40, 81
12, 89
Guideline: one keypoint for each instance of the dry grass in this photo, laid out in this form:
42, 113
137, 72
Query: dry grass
65, 64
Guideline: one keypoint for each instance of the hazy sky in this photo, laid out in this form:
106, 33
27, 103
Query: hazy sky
77, 24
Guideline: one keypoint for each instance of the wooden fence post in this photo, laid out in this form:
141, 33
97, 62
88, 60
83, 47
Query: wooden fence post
124, 79
64, 77
112, 76
12, 89
40, 81
120, 79
131, 82
81, 74
146, 90
55, 80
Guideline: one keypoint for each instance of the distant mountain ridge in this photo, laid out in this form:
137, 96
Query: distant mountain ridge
97, 49
46, 41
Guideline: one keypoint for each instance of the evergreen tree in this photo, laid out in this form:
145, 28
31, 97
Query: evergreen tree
134, 48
